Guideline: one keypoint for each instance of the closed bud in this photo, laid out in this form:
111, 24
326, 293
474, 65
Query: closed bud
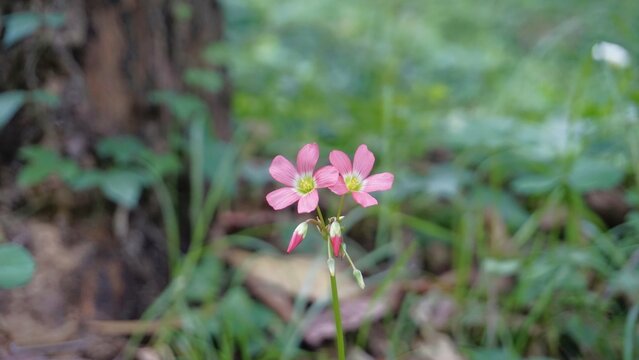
335, 229
298, 235
360, 279
331, 266
335, 233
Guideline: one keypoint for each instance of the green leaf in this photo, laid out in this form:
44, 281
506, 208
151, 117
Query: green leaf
534, 184
205, 79
45, 98
20, 25
182, 10
162, 164
493, 354
589, 174
16, 266
42, 163
583, 330
86, 180
123, 187
445, 181
207, 280
500, 267
504, 202
625, 282
217, 154
54, 20
243, 318
122, 149
183, 107
217, 54
10, 103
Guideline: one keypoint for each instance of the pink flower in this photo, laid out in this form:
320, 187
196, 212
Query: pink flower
302, 183
355, 179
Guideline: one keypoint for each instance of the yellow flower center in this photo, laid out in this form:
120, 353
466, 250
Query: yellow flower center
305, 184
353, 182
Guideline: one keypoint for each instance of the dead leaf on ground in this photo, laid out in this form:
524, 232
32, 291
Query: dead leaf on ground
438, 346
434, 310
610, 205
40, 312
355, 312
357, 353
294, 274
147, 353
272, 296
498, 237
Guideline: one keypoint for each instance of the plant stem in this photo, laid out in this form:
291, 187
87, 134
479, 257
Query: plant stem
339, 334
348, 256
171, 226
196, 168
629, 332
339, 209
321, 218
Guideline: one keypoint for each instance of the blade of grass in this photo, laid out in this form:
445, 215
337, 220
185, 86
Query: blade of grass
630, 333
196, 130
394, 273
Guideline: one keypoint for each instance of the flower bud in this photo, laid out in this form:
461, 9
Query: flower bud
298, 235
336, 236
331, 266
360, 279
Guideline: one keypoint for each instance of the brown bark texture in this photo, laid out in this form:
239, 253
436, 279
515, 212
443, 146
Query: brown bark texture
102, 64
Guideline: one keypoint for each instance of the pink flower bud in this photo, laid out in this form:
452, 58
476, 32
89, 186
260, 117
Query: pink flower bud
336, 236
298, 235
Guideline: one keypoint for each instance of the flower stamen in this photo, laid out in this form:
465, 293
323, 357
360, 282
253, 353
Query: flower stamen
305, 184
353, 182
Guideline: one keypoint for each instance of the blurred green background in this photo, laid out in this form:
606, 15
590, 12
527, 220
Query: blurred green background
510, 233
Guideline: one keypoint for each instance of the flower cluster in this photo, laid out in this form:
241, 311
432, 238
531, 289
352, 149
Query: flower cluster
341, 177
302, 182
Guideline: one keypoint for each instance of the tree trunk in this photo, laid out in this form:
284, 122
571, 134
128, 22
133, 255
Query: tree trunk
105, 61
103, 64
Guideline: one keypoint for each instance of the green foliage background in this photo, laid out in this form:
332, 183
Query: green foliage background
478, 107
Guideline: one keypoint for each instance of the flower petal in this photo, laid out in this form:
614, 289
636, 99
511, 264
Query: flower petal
308, 202
378, 182
307, 158
296, 239
364, 199
325, 177
363, 161
282, 170
341, 161
336, 241
340, 187
281, 198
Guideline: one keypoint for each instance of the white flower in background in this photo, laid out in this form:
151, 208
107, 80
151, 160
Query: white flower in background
613, 54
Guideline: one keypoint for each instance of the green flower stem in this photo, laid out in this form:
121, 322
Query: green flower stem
347, 256
321, 218
339, 334
341, 205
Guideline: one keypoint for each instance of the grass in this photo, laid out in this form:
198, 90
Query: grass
510, 90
